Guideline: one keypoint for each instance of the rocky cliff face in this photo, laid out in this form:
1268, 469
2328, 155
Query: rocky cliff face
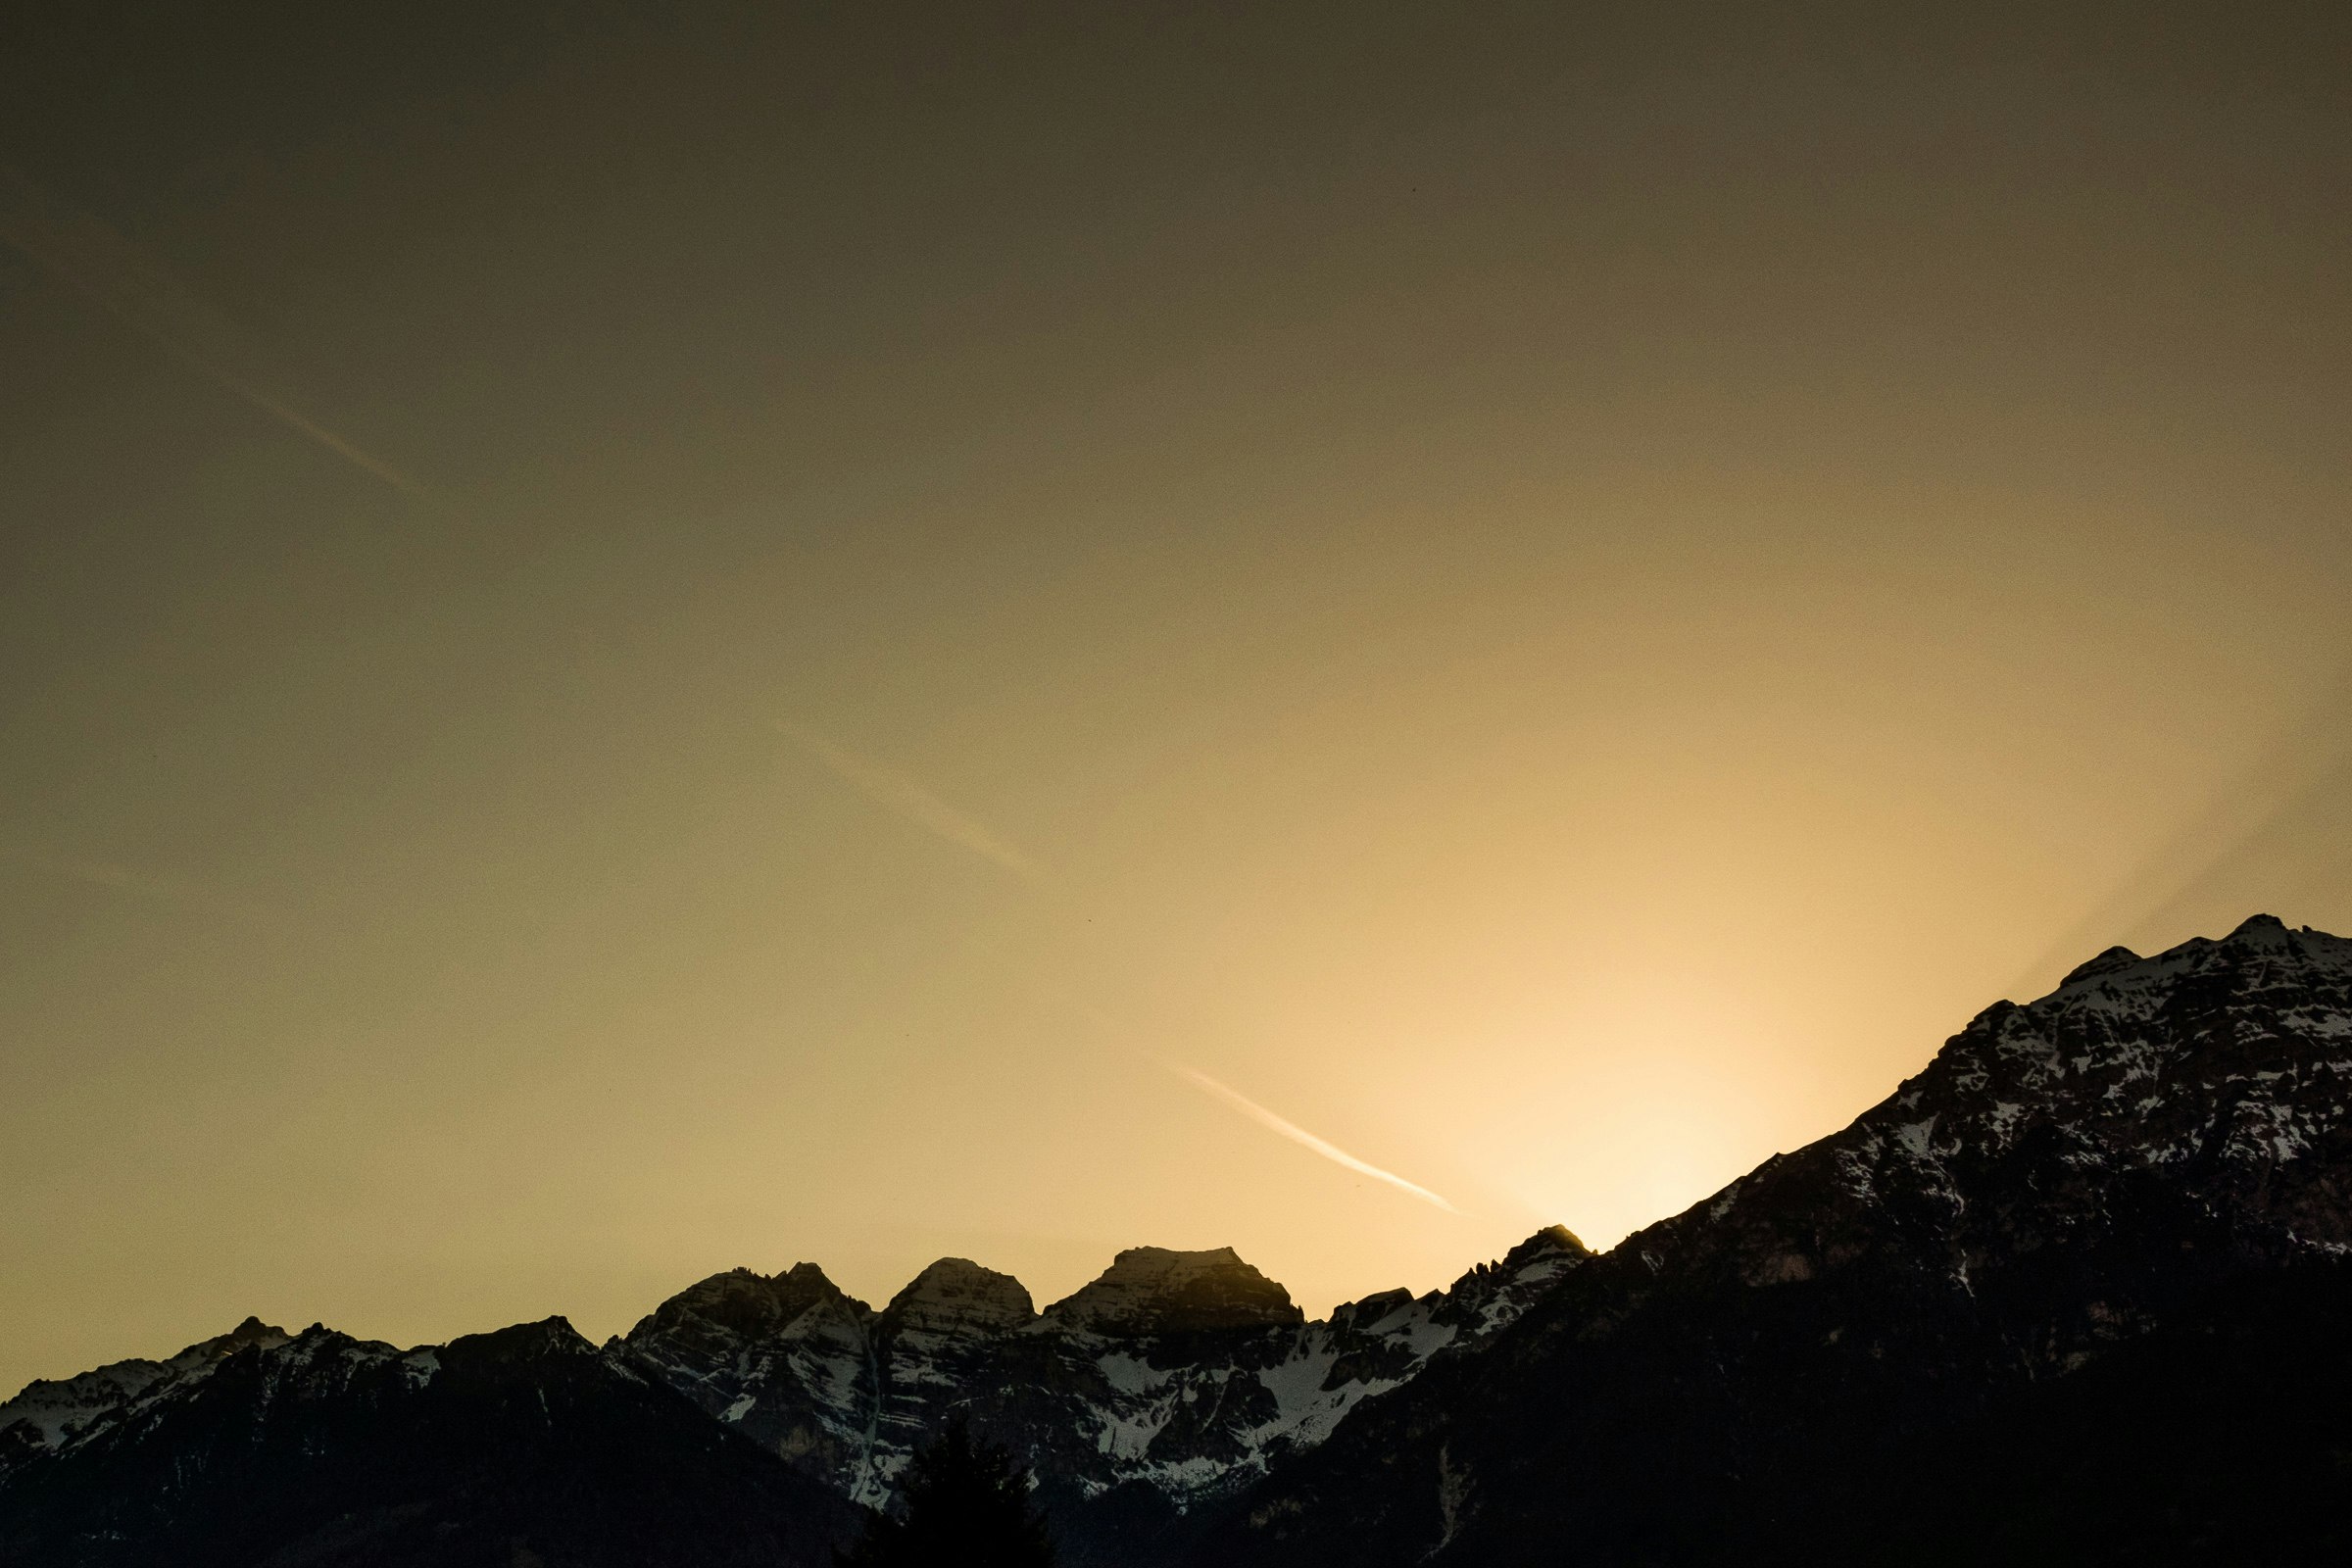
789, 1361
1171, 1378
1152, 1291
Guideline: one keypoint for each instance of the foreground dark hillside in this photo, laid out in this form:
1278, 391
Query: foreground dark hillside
2225, 1437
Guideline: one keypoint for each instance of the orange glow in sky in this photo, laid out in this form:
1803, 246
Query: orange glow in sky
1542, 609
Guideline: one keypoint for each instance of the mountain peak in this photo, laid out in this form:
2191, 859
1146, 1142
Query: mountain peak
253, 1331
523, 1342
744, 1301
958, 1297
2215, 1069
2107, 962
2260, 930
1153, 1290
1550, 1240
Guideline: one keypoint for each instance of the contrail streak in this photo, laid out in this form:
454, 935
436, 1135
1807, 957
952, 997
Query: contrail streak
126, 281
896, 792
122, 879
1300, 1135
903, 796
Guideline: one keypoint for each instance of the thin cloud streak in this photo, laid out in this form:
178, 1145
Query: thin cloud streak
127, 282
1300, 1136
903, 796
122, 879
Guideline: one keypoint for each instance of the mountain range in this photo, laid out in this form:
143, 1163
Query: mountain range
2076, 1292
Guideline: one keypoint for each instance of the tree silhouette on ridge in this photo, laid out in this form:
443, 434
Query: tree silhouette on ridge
965, 1505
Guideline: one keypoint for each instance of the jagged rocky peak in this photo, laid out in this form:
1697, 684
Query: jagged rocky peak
1372, 1310
955, 1298
1487, 1297
1542, 1256
523, 1341
2121, 1027
748, 1302
2108, 962
2255, 933
1152, 1290
1553, 1241
253, 1331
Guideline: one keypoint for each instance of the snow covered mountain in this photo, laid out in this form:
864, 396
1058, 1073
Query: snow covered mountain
1173, 1376
1171, 1379
2074, 1293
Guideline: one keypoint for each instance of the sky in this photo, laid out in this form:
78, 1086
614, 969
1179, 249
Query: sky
637, 639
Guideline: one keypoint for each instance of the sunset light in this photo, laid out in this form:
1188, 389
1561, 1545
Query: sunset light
843, 767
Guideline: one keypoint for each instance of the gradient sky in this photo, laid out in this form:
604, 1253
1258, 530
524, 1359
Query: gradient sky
642, 638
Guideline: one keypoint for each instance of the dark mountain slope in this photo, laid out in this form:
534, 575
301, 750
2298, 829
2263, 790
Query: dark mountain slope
2062, 1179
524, 1447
